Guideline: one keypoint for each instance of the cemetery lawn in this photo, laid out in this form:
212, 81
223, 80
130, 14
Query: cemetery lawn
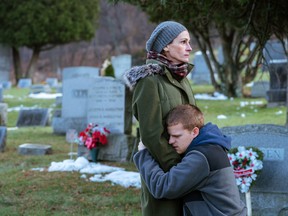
27, 192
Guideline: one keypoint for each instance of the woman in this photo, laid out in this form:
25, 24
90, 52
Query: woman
159, 86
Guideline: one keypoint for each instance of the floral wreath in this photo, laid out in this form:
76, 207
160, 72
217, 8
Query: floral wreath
247, 165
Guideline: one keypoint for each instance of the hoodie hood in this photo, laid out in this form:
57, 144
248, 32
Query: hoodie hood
211, 134
136, 73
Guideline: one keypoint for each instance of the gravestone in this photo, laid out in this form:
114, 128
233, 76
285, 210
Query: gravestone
24, 83
79, 72
270, 192
39, 88
107, 103
3, 114
5, 62
34, 149
3, 135
119, 149
33, 117
6, 84
56, 113
58, 101
120, 64
278, 71
52, 82
75, 84
61, 125
273, 51
59, 89
1, 93
200, 73
259, 89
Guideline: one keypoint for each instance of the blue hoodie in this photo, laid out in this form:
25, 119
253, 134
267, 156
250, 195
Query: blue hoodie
210, 134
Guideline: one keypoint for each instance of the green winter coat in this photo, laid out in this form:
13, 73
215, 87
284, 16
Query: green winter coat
155, 93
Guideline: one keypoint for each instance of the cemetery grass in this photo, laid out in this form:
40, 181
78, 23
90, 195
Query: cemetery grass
27, 192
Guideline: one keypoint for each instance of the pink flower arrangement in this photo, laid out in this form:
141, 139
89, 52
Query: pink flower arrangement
93, 136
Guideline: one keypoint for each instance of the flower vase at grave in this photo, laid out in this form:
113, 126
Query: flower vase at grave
94, 154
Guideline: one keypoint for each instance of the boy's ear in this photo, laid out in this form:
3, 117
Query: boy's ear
195, 131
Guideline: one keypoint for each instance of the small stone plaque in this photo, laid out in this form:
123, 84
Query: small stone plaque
39, 88
33, 117
34, 149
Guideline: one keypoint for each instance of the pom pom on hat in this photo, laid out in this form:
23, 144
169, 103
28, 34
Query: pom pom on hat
163, 35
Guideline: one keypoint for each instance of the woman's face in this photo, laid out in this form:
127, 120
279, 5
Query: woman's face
179, 50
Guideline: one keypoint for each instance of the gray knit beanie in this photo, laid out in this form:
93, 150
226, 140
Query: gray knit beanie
163, 35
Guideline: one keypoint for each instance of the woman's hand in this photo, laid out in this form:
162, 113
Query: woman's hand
141, 146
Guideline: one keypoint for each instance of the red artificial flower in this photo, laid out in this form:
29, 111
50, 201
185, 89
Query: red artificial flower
93, 136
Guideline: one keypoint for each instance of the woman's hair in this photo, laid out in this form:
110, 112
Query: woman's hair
188, 115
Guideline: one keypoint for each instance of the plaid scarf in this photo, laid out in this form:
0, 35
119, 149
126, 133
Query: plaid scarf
180, 70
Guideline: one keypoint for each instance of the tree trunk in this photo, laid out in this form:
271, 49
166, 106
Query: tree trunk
33, 62
17, 64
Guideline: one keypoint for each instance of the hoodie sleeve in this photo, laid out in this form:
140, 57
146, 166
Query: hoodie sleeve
178, 181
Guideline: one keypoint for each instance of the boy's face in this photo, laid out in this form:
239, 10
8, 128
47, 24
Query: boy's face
181, 138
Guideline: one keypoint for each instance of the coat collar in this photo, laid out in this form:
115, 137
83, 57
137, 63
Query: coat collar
152, 67
136, 73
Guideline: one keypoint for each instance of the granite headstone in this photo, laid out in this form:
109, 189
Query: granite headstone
273, 51
3, 114
5, 62
6, 84
52, 82
106, 104
259, 89
1, 93
120, 64
76, 82
271, 185
276, 94
33, 117
3, 135
201, 72
24, 83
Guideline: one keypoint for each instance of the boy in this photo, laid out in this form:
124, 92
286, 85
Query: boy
204, 178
